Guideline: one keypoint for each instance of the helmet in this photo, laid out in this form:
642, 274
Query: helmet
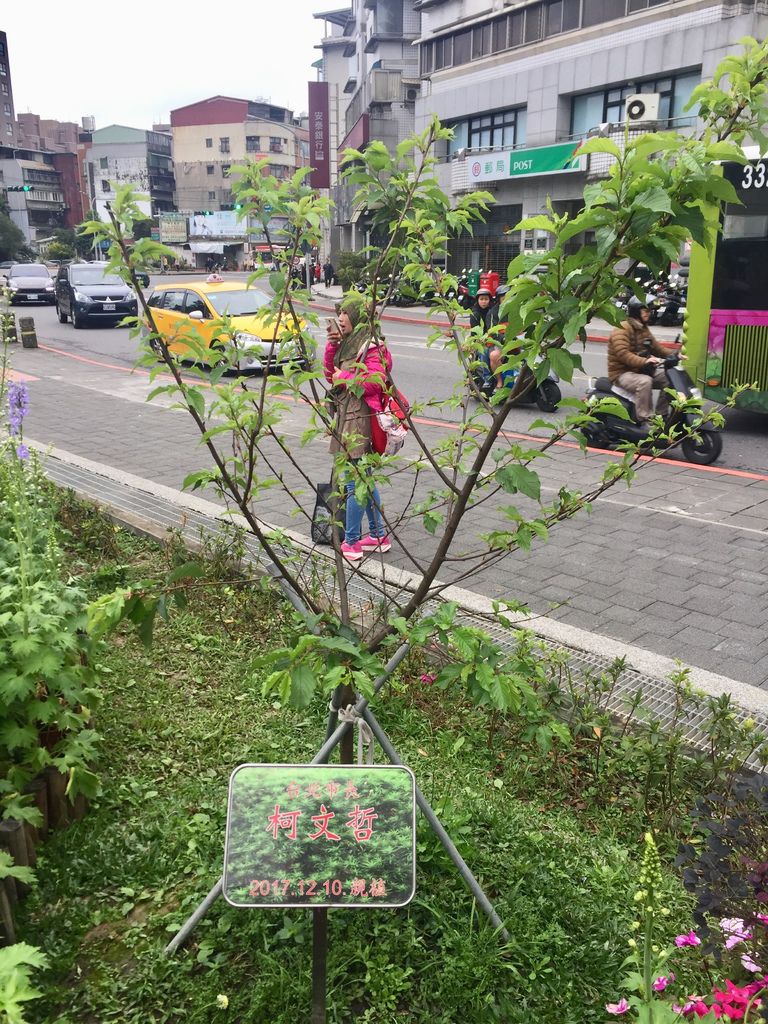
634, 306
483, 291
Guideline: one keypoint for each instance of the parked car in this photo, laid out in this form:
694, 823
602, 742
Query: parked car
29, 282
190, 316
86, 292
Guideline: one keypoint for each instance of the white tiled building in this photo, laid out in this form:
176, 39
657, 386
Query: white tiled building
517, 78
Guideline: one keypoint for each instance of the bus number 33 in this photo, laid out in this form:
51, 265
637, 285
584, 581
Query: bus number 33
754, 176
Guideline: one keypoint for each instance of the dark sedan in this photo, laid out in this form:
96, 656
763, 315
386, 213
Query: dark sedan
30, 282
86, 292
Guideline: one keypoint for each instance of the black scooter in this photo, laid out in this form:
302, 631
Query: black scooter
611, 431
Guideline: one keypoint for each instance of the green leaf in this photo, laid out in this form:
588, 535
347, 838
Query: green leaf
195, 400
303, 682
519, 478
656, 199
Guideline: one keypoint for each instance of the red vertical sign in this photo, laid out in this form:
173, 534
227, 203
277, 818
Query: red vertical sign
319, 135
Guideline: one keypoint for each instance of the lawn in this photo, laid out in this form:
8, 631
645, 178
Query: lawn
559, 866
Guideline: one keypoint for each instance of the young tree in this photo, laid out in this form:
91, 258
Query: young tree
651, 201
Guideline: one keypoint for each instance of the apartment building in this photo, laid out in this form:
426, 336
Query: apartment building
7, 112
34, 191
369, 56
521, 84
119, 155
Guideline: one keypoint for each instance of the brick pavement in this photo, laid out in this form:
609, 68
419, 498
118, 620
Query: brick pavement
675, 564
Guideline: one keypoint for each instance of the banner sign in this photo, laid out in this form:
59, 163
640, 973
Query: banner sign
173, 228
515, 163
320, 836
219, 224
319, 136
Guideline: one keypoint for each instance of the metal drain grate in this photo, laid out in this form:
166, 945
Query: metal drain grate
658, 695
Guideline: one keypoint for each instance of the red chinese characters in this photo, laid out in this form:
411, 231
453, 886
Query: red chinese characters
321, 820
287, 820
361, 822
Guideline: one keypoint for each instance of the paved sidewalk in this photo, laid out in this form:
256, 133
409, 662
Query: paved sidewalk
675, 565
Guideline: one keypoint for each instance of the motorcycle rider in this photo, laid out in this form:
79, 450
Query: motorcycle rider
485, 314
636, 362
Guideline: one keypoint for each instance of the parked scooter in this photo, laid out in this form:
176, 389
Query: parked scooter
546, 394
610, 431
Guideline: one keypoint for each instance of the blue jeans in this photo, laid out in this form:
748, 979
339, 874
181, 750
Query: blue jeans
355, 511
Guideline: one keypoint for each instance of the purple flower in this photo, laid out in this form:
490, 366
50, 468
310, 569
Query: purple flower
734, 928
22, 452
691, 939
749, 964
617, 1009
18, 406
661, 982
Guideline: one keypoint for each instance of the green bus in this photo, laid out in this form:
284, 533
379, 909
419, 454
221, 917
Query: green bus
726, 326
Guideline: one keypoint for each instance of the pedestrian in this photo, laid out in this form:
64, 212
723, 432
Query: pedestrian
354, 357
209, 264
328, 273
316, 272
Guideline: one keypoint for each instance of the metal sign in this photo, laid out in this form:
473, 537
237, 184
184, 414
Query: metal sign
319, 135
516, 163
173, 228
320, 836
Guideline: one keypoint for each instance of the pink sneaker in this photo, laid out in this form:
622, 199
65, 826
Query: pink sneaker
352, 552
369, 544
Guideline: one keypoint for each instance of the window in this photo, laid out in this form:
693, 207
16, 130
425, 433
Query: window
3, 68
7, 109
533, 23
103, 162
607, 105
174, 300
481, 40
597, 11
224, 144
225, 170
5, 88
105, 186
209, 143
209, 168
155, 300
211, 195
275, 144
502, 129
462, 43
561, 16
195, 304
2, 49
252, 143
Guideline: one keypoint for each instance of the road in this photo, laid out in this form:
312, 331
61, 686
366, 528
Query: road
424, 374
675, 565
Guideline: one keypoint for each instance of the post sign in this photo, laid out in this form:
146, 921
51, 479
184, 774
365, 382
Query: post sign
173, 228
517, 163
320, 836
319, 135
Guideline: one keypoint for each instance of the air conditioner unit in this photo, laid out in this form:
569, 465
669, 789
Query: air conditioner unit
642, 107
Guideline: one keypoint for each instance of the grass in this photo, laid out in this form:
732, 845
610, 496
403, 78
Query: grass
178, 718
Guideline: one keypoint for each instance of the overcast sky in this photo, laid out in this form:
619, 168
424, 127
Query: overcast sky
132, 63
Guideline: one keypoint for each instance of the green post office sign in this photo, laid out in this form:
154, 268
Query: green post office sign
516, 163
320, 835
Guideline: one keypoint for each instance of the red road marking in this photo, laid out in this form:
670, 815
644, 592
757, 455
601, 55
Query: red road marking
19, 377
445, 424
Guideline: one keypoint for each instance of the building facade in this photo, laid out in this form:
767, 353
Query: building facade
34, 192
119, 155
369, 56
522, 85
47, 136
7, 111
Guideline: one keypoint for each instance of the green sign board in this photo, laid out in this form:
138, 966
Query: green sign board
516, 163
320, 836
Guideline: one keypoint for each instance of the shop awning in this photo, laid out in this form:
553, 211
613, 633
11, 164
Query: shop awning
217, 247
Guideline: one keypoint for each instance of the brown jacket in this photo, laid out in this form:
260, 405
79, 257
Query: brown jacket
627, 349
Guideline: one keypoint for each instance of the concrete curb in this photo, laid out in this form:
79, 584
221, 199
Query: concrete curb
750, 698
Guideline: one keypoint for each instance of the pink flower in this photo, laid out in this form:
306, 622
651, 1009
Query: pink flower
749, 964
734, 928
617, 1008
697, 1006
691, 939
661, 982
428, 678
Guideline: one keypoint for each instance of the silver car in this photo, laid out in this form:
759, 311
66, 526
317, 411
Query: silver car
30, 282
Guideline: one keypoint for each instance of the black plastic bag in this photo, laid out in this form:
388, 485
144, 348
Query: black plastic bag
326, 505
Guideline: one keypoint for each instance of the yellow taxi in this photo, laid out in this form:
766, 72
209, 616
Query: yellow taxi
188, 314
